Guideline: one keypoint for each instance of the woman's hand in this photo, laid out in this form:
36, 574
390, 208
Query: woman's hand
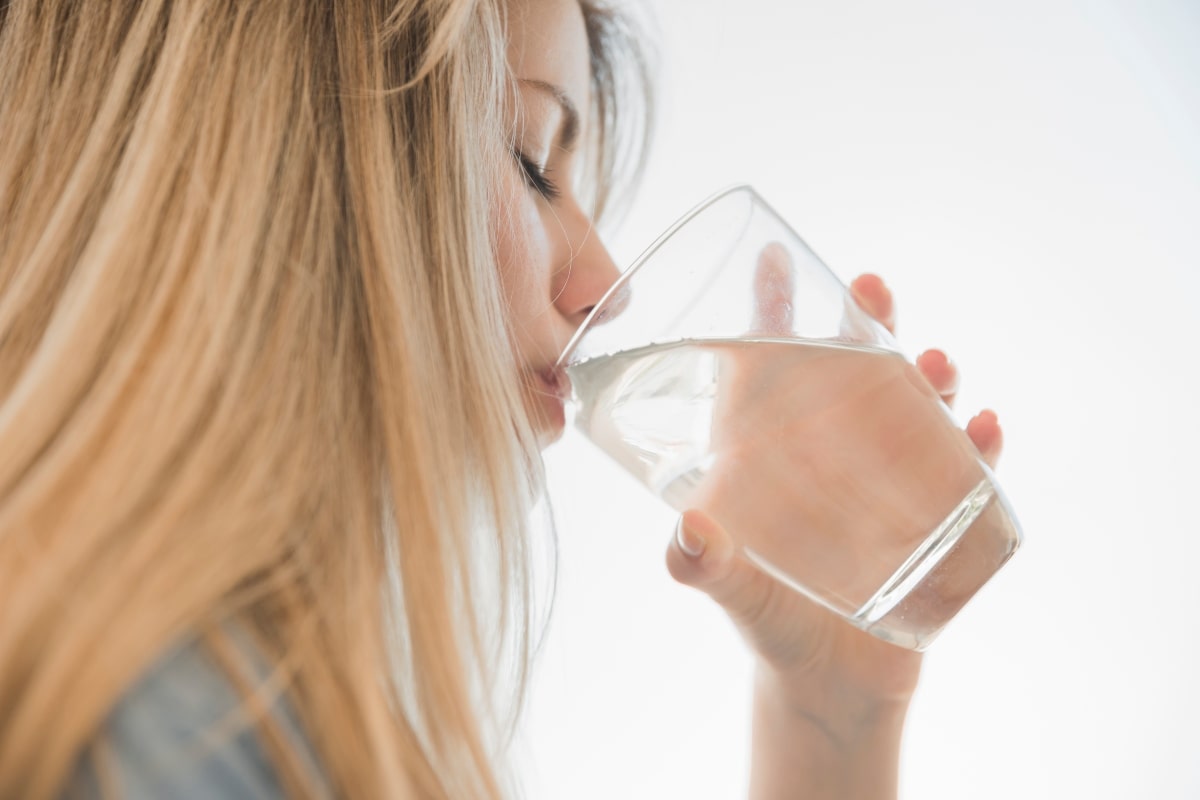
811, 661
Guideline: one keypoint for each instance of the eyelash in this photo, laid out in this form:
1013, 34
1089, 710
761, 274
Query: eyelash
536, 177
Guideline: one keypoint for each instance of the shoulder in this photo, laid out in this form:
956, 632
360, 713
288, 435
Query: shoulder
177, 734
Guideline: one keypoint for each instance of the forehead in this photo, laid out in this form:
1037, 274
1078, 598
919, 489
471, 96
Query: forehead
547, 41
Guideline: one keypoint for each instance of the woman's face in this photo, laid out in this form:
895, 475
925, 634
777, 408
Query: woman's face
553, 267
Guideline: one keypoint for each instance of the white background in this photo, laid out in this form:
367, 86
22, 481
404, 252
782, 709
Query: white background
1026, 177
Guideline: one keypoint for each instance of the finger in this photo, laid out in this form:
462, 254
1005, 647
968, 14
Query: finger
984, 430
873, 296
703, 555
773, 288
941, 373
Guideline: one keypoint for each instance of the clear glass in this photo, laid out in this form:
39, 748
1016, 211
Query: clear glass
729, 370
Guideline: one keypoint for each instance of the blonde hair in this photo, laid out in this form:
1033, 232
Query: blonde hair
254, 364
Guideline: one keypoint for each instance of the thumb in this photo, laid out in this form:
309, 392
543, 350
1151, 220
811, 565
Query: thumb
704, 556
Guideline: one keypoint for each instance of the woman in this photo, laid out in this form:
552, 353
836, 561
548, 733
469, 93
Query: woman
280, 288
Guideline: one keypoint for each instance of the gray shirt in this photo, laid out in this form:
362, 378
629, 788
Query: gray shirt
158, 740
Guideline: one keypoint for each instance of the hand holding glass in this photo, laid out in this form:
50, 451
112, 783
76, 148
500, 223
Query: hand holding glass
729, 370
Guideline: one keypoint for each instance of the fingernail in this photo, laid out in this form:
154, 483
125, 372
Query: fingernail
688, 541
955, 377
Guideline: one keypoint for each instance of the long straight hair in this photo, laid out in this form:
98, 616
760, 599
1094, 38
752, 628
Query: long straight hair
254, 365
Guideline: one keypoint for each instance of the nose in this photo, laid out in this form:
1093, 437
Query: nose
587, 270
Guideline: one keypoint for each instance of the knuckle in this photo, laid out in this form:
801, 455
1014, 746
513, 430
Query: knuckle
752, 602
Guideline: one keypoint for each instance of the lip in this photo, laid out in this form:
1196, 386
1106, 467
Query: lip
555, 382
552, 388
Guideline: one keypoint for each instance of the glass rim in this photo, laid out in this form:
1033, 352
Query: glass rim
656, 245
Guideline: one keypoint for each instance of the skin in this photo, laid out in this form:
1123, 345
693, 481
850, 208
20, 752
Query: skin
830, 700
553, 266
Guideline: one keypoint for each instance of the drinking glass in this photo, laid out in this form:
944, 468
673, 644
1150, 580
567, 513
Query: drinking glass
730, 370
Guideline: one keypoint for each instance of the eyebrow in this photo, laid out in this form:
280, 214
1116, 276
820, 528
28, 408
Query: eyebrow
570, 129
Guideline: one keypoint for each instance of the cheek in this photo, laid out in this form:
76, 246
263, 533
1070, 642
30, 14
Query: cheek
522, 252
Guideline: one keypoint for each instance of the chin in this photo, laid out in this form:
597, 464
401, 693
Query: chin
547, 416
547, 421
548, 434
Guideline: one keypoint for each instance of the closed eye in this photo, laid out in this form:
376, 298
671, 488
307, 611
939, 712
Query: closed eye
536, 177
